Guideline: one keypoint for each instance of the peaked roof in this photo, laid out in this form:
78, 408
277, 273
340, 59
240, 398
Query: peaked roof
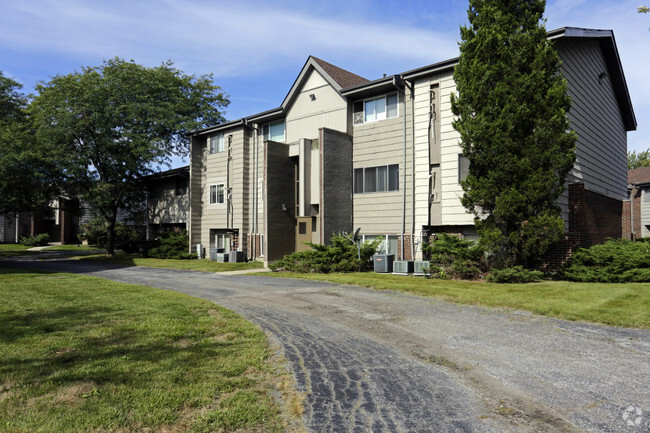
342, 77
639, 175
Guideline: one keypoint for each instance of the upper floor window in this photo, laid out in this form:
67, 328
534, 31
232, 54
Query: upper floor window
216, 143
274, 131
217, 193
371, 110
376, 179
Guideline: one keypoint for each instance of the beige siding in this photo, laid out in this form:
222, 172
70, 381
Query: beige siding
306, 116
376, 144
645, 213
165, 206
214, 171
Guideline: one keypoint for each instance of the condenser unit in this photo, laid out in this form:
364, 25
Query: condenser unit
222, 257
383, 262
421, 268
213, 254
236, 256
402, 267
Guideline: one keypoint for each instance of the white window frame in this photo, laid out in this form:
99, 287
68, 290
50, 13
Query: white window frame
383, 103
266, 131
214, 196
222, 241
383, 246
216, 143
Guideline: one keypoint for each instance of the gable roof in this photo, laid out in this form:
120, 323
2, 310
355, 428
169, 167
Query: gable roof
638, 175
342, 77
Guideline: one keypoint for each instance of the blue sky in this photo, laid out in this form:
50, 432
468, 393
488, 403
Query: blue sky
255, 49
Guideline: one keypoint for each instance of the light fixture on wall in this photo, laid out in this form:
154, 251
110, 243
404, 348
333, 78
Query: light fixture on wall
601, 77
312, 96
284, 207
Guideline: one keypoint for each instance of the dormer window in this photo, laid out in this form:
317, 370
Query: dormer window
374, 109
274, 131
216, 143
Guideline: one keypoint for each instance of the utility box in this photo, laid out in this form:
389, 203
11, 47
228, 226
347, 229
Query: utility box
199, 251
402, 267
383, 262
421, 267
223, 257
213, 254
236, 256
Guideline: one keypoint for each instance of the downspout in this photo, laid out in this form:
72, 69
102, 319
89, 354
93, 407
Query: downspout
254, 186
412, 170
633, 192
403, 176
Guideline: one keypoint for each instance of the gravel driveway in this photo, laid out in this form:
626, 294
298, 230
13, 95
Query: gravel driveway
372, 361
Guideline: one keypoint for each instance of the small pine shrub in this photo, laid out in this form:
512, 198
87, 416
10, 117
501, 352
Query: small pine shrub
340, 255
172, 245
39, 240
453, 257
516, 274
615, 261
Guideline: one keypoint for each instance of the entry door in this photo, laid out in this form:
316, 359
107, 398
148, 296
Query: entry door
303, 233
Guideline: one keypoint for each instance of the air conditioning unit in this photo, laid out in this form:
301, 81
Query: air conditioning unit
222, 257
383, 262
236, 256
213, 254
402, 267
421, 268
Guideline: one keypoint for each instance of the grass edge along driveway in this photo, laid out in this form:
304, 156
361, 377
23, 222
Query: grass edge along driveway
81, 353
624, 305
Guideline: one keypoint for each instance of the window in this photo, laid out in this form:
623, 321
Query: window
376, 179
371, 110
222, 241
389, 243
274, 131
217, 194
216, 143
463, 167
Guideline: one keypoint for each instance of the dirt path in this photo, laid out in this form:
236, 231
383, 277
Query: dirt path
388, 362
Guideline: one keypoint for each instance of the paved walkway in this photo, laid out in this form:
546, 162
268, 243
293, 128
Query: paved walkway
389, 362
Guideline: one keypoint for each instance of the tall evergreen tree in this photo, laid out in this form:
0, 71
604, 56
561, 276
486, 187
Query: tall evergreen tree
511, 110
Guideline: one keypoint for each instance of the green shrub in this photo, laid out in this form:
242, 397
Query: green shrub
454, 257
94, 231
172, 245
39, 240
516, 274
341, 255
615, 261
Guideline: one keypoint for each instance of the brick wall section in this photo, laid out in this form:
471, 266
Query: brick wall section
407, 248
629, 232
593, 218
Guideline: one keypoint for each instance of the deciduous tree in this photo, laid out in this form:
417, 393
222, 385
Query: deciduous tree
511, 110
119, 120
29, 177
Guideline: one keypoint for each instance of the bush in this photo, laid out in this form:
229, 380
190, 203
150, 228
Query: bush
94, 231
172, 245
454, 257
615, 261
39, 240
341, 255
516, 274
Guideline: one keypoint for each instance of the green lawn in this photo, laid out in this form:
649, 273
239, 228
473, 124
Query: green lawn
626, 305
189, 265
7, 250
74, 247
82, 354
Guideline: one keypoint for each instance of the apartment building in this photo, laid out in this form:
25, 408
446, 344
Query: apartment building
342, 152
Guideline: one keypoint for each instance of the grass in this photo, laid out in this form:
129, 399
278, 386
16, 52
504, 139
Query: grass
81, 354
73, 247
626, 305
7, 250
189, 265
126, 259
